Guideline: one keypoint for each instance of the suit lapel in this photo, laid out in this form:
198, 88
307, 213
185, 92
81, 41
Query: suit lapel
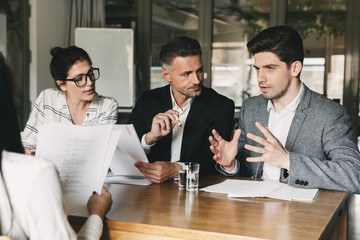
166, 105
195, 116
298, 120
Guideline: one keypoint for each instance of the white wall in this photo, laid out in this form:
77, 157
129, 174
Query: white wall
47, 30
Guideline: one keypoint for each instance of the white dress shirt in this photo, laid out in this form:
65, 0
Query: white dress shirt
279, 125
177, 132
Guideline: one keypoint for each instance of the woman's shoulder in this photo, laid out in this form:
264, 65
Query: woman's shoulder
24, 164
107, 101
52, 97
51, 92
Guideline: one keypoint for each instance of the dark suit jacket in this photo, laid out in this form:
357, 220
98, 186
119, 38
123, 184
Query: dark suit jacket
208, 111
323, 153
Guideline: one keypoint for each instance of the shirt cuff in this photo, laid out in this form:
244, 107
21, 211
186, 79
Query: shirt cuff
92, 228
235, 170
144, 145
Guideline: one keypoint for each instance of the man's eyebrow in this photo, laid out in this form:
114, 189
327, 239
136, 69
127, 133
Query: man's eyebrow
267, 65
186, 72
271, 65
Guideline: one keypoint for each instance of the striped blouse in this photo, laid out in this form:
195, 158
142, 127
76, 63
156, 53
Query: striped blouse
51, 106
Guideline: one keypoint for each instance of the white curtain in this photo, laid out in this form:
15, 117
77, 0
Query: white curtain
84, 13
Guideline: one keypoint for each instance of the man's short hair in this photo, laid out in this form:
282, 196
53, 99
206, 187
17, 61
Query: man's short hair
283, 41
179, 47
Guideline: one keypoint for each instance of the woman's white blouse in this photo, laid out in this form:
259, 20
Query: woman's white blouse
37, 208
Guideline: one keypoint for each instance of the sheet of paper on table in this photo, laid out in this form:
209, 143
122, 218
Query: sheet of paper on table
271, 189
133, 180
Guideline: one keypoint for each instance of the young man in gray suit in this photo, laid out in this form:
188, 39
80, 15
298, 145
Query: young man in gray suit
289, 133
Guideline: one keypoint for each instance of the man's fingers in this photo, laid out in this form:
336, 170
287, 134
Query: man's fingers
236, 136
164, 121
150, 174
213, 150
213, 142
268, 135
145, 165
255, 149
216, 135
172, 112
257, 139
254, 159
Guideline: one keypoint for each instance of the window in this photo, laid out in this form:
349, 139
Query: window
170, 19
235, 22
321, 24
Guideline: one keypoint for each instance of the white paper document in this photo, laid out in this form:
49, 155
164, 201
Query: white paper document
127, 153
111, 178
82, 156
271, 189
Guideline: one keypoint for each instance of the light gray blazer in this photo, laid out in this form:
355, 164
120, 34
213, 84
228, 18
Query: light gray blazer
323, 151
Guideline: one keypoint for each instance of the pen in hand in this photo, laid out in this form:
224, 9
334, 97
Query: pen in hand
178, 122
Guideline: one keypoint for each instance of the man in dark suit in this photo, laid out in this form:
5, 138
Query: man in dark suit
174, 122
308, 141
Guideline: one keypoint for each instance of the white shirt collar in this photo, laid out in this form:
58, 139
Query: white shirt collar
174, 104
292, 105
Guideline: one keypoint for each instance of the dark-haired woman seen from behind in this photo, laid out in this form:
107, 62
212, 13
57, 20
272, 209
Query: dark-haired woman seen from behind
74, 101
31, 201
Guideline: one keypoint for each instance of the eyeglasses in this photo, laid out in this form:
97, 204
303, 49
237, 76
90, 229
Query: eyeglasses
81, 79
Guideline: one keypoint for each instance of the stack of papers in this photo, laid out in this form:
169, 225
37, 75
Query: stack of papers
271, 189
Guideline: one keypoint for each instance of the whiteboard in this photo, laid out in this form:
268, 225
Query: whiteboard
111, 50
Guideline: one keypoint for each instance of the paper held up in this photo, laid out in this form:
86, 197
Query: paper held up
82, 156
127, 152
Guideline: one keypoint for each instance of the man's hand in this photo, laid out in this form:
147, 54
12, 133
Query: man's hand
27, 151
158, 172
224, 151
273, 151
100, 204
161, 126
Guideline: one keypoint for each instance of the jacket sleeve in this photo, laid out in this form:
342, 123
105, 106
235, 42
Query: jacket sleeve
340, 170
137, 117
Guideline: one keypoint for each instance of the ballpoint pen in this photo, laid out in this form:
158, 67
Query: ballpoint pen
178, 122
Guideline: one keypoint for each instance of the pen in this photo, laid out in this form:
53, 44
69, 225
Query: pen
178, 122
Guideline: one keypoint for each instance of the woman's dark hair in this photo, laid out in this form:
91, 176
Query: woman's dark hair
179, 47
10, 139
63, 59
283, 41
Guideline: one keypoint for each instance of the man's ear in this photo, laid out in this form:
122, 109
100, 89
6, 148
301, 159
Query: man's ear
296, 68
166, 74
61, 85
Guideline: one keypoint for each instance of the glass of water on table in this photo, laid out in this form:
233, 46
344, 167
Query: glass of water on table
189, 176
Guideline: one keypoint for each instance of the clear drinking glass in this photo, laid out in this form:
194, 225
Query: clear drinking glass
189, 176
